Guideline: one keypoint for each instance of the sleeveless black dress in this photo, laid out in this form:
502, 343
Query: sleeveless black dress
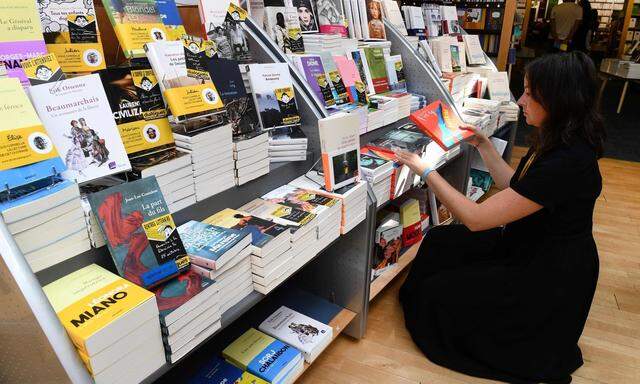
510, 303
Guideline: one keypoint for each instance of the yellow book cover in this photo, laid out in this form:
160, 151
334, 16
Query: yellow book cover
43, 69
91, 299
23, 140
410, 213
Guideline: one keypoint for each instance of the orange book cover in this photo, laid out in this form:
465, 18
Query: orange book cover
441, 124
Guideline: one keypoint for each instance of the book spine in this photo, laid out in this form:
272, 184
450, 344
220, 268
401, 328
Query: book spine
203, 267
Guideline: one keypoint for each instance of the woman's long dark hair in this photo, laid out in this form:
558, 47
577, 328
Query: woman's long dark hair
566, 86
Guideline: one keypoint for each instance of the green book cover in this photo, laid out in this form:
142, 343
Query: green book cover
378, 69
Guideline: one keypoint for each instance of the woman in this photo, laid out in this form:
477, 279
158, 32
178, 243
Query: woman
509, 303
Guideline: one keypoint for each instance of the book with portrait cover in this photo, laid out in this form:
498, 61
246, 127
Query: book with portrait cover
136, 103
440, 122
222, 21
388, 242
374, 28
274, 95
307, 15
78, 119
377, 68
141, 235
71, 33
20, 36
211, 246
301, 199
331, 17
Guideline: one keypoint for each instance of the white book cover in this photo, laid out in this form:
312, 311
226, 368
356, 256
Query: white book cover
498, 86
475, 54
426, 48
340, 147
393, 14
300, 331
213, 13
442, 52
78, 118
169, 64
348, 14
256, 11
273, 95
357, 24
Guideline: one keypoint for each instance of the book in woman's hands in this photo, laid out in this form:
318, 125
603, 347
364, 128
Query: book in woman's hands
441, 123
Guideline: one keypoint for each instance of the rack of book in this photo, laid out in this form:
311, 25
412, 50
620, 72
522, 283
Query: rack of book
209, 193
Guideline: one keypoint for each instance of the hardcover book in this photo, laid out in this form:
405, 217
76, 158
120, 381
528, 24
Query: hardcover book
211, 246
340, 146
78, 118
331, 17
262, 231
71, 33
140, 232
43, 69
136, 22
28, 153
137, 107
298, 330
218, 371
388, 242
20, 36
97, 307
378, 69
268, 358
440, 122
274, 95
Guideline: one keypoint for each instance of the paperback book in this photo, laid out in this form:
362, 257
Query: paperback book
307, 15
331, 17
340, 146
314, 72
78, 118
377, 69
211, 246
440, 122
388, 242
182, 294
374, 25
171, 19
274, 95
218, 371
278, 213
141, 235
222, 20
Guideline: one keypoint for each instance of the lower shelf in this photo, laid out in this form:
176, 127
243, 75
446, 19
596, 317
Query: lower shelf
383, 280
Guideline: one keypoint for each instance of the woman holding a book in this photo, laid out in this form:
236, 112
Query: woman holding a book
506, 295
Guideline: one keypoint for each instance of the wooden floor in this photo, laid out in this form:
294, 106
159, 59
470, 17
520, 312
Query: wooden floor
610, 342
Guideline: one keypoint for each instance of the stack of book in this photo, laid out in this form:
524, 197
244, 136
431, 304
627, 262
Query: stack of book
321, 42
628, 70
174, 174
189, 313
474, 110
112, 322
388, 242
219, 371
251, 158
221, 254
48, 226
404, 103
211, 152
270, 247
263, 356
96, 237
287, 144
377, 172
508, 112
388, 106
418, 102
375, 119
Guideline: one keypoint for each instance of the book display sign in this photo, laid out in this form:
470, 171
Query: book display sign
43, 69
439, 122
24, 140
20, 36
77, 116
140, 232
71, 33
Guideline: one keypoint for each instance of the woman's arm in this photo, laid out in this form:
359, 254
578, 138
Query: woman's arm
502, 208
500, 171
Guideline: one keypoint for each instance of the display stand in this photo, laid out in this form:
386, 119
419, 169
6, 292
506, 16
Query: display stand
339, 274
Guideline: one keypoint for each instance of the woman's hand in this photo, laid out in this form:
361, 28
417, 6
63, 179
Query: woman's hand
413, 161
479, 139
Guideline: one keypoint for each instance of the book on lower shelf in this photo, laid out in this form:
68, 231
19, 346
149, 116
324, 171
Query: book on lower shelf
388, 243
262, 355
218, 371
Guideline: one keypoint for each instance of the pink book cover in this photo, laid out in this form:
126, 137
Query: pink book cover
349, 73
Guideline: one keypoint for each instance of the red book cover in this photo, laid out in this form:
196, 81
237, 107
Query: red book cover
440, 122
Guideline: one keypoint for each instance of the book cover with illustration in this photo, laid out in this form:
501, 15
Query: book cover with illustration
298, 330
171, 19
406, 138
278, 213
301, 199
218, 371
274, 95
140, 232
262, 231
20, 36
440, 122
268, 358
28, 153
78, 118
178, 291
43, 69
207, 245
340, 147
313, 70
135, 22
378, 69
137, 107
89, 300
360, 59
388, 242
71, 32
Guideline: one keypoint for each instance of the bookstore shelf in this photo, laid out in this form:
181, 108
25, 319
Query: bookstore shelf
388, 276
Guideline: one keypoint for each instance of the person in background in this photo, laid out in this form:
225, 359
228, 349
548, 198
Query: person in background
505, 295
565, 20
582, 38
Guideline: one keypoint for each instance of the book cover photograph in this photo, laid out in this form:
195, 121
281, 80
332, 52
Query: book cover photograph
208, 241
307, 16
78, 118
20, 36
378, 69
274, 95
279, 213
262, 231
340, 146
299, 198
375, 26
141, 235
223, 25
440, 122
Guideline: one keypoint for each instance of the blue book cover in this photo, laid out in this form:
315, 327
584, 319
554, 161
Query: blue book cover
169, 12
209, 241
37, 193
27, 174
227, 78
140, 232
219, 371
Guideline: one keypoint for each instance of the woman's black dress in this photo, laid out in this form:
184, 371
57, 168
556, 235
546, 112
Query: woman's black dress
510, 304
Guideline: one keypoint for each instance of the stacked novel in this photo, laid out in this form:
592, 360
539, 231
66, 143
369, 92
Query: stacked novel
251, 157
628, 70
321, 42
309, 336
508, 112
388, 106
96, 238
112, 322
189, 313
48, 225
221, 254
287, 144
418, 102
268, 358
377, 172
211, 152
473, 109
270, 246
218, 371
